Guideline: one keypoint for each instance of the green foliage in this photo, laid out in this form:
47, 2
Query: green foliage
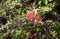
17, 27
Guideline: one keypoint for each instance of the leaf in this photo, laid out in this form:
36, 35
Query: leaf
11, 7
46, 2
3, 13
53, 33
49, 21
50, 0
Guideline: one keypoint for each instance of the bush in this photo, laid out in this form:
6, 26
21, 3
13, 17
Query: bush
29, 19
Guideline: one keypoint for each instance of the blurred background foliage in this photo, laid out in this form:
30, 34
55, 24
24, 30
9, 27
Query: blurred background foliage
14, 26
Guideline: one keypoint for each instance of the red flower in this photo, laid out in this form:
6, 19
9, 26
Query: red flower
31, 36
29, 16
39, 19
36, 20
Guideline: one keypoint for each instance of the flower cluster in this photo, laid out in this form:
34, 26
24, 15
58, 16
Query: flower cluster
30, 16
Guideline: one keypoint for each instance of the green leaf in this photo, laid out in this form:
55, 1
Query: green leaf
12, 7
48, 20
46, 2
3, 13
50, 0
